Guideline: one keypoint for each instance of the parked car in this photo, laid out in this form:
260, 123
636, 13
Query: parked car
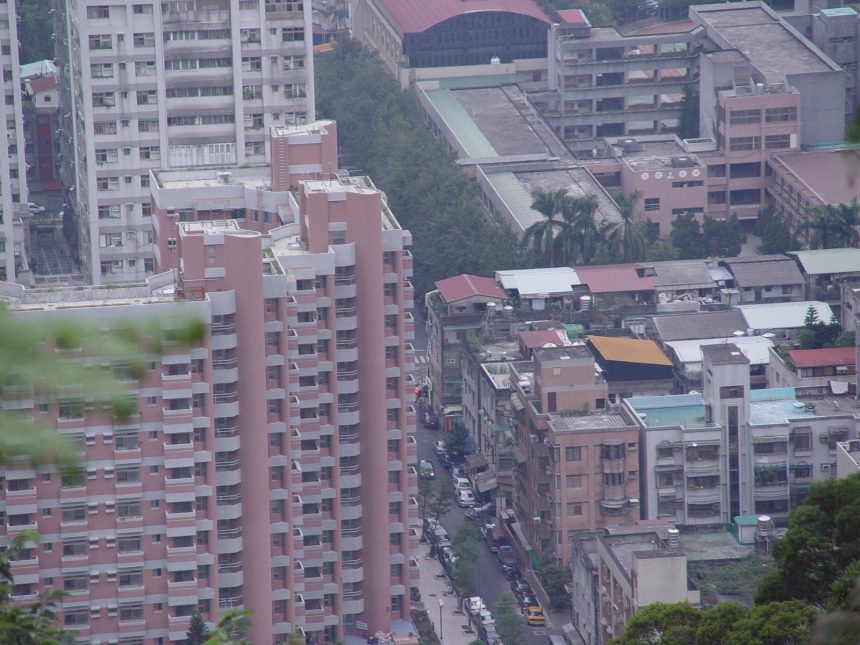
465, 498
489, 634
425, 470
506, 554
461, 483
534, 615
485, 617
496, 538
475, 604
439, 448
430, 420
35, 208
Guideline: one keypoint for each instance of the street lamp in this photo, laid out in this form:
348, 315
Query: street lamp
441, 604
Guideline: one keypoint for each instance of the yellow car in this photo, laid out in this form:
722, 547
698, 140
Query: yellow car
534, 616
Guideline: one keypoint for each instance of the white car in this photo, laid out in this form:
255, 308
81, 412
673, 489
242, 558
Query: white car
465, 499
486, 618
475, 605
35, 208
439, 448
461, 483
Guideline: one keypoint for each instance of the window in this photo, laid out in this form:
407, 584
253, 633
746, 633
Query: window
144, 39
574, 481
777, 141
292, 34
802, 441
101, 70
130, 612
76, 617
574, 509
613, 479
74, 547
100, 41
740, 117
612, 451
128, 509
100, 12
652, 204
573, 453
132, 578
780, 114
128, 544
74, 513
732, 392
742, 144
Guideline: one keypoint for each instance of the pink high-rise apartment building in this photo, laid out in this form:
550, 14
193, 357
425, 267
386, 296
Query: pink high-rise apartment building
269, 468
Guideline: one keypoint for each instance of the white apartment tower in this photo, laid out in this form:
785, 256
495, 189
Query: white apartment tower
13, 171
168, 84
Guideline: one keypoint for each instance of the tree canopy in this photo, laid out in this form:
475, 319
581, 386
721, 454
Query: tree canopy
832, 226
382, 134
34, 28
821, 543
777, 623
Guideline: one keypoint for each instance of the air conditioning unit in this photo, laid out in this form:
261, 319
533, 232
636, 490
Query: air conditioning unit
825, 468
534, 438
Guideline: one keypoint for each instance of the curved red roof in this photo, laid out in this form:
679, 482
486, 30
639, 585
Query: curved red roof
414, 16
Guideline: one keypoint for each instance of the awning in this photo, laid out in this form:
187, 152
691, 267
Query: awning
613, 503
838, 387
452, 409
783, 439
518, 455
476, 461
486, 485
517, 402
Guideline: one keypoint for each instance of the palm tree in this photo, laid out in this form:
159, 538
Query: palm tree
581, 243
540, 235
627, 238
833, 225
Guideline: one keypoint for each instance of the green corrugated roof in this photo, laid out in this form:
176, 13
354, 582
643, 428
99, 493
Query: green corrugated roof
515, 195
839, 11
461, 124
827, 261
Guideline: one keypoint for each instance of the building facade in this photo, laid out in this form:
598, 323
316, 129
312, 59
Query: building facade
14, 260
300, 395
158, 85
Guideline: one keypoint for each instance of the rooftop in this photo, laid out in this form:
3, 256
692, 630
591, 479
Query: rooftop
711, 324
776, 406
827, 357
216, 227
255, 176
561, 423
38, 68
774, 49
576, 182
831, 175
764, 271
412, 16
829, 261
314, 127
465, 286
713, 545
499, 375
613, 278
655, 154
681, 274
543, 338
684, 410
724, 354
839, 11
755, 348
574, 17
629, 350
783, 315
537, 283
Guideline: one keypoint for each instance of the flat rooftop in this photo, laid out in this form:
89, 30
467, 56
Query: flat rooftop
684, 410
217, 227
576, 182
257, 176
831, 175
713, 545
499, 375
588, 423
776, 406
766, 42
656, 155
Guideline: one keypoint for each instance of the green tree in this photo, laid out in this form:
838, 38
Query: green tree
553, 579
231, 628
32, 624
715, 623
337, 14
197, 633
688, 123
833, 225
581, 236
666, 624
777, 623
840, 625
464, 577
509, 621
296, 638
723, 237
821, 543
540, 236
457, 440
34, 27
686, 237
629, 239
776, 236
661, 251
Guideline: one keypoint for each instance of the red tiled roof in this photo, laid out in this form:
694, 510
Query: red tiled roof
465, 286
614, 278
829, 357
43, 83
414, 16
573, 17
540, 338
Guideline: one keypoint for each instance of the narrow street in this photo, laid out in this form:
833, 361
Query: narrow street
491, 581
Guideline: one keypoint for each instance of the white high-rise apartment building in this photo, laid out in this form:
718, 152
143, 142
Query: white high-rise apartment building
13, 170
168, 84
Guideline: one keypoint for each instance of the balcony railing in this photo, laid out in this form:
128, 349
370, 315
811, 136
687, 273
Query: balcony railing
227, 431
231, 601
222, 466
229, 534
224, 364
228, 500
220, 329
229, 567
226, 397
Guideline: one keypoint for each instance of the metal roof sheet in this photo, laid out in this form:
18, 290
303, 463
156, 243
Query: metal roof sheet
629, 350
829, 261
539, 282
783, 315
412, 16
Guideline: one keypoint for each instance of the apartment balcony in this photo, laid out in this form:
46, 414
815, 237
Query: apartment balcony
230, 602
703, 495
